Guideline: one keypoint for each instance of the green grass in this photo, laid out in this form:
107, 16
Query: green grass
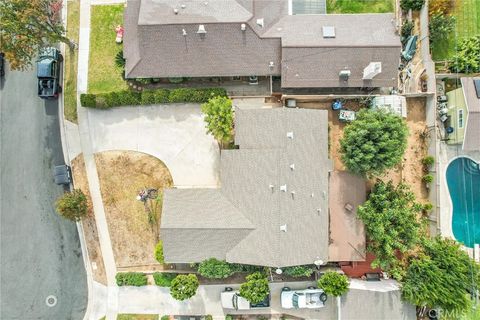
360, 6
103, 75
137, 317
163, 279
71, 58
467, 14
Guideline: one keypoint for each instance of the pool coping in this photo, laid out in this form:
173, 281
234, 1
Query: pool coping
447, 231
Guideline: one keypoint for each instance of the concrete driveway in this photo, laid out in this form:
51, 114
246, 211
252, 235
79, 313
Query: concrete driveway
173, 133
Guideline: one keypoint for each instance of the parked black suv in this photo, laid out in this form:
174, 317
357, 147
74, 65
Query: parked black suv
48, 73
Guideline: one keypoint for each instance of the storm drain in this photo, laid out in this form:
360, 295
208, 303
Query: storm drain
51, 301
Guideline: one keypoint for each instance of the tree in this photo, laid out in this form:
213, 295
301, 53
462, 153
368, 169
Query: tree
333, 283
28, 25
255, 289
391, 223
440, 26
159, 252
215, 269
374, 142
72, 205
298, 271
467, 57
411, 4
442, 276
219, 118
184, 286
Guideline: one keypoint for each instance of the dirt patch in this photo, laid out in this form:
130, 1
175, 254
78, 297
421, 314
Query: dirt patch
88, 223
133, 233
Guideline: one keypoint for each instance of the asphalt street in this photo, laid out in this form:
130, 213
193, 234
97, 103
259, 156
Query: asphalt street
40, 252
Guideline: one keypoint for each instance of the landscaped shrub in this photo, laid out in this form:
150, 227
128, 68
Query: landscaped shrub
440, 26
165, 317
228, 317
88, 100
256, 288
333, 283
215, 269
72, 205
467, 57
406, 31
428, 161
440, 6
219, 119
131, 279
184, 286
119, 60
208, 317
130, 97
428, 178
298, 271
163, 279
412, 4
159, 252
427, 207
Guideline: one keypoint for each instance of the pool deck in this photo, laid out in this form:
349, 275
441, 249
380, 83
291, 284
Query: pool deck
446, 154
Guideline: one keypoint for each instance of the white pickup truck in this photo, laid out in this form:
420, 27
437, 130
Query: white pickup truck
310, 298
232, 300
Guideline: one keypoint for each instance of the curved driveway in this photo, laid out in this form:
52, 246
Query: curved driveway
40, 252
173, 133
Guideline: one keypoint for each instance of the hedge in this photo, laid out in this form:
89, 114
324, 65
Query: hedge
146, 97
131, 279
163, 279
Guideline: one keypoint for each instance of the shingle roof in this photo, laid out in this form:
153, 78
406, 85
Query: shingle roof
251, 179
471, 140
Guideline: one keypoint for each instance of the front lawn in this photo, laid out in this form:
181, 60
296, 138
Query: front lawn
467, 15
360, 6
103, 75
71, 58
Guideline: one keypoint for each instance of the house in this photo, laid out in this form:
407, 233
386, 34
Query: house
231, 39
272, 208
464, 114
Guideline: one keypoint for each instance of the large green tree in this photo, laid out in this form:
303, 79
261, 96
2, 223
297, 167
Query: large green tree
184, 286
216, 269
219, 118
27, 25
333, 283
256, 288
72, 205
440, 27
467, 56
374, 142
392, 225
442, 275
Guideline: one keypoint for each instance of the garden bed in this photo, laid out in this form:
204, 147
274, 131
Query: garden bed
122, 174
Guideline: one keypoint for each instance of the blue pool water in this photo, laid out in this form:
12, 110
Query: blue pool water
463, 180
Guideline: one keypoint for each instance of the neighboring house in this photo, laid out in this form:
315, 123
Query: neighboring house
464, 114
260, 38
272, 208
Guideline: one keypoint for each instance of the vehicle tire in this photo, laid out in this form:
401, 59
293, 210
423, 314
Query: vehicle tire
311, 288
228, 289
60, 57
60, 89
323, 297
286, 289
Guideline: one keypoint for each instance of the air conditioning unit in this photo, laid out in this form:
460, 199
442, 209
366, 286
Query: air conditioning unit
373, 69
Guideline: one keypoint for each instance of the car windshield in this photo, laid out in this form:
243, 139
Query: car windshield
295, 300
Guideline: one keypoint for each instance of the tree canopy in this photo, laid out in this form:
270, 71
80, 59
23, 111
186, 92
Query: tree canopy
391, 223
467, 56
159, 252
374, 142
216, 269
28, 25
72, 205
333, 283
184, 286
256, 288
219, 118
443, 275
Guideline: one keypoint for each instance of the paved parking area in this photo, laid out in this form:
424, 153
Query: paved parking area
173, 133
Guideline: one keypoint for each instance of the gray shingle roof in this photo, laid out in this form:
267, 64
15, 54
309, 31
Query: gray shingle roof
472, 130
155, 46
250, 180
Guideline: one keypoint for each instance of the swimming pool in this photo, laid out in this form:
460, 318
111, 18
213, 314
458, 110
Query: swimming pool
463, 180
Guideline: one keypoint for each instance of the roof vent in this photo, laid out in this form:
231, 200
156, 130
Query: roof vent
201, 29
183, 6
283, 228
271, 186
290, 134
293, 194
243, 27
292, 166
344, 75
184, 32
324, 194
312, 195
328, 31
260, 22
373, 69
283, 188
271, 65
175, 11
319, 210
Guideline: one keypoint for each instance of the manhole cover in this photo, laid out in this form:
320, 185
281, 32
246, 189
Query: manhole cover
51, 301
